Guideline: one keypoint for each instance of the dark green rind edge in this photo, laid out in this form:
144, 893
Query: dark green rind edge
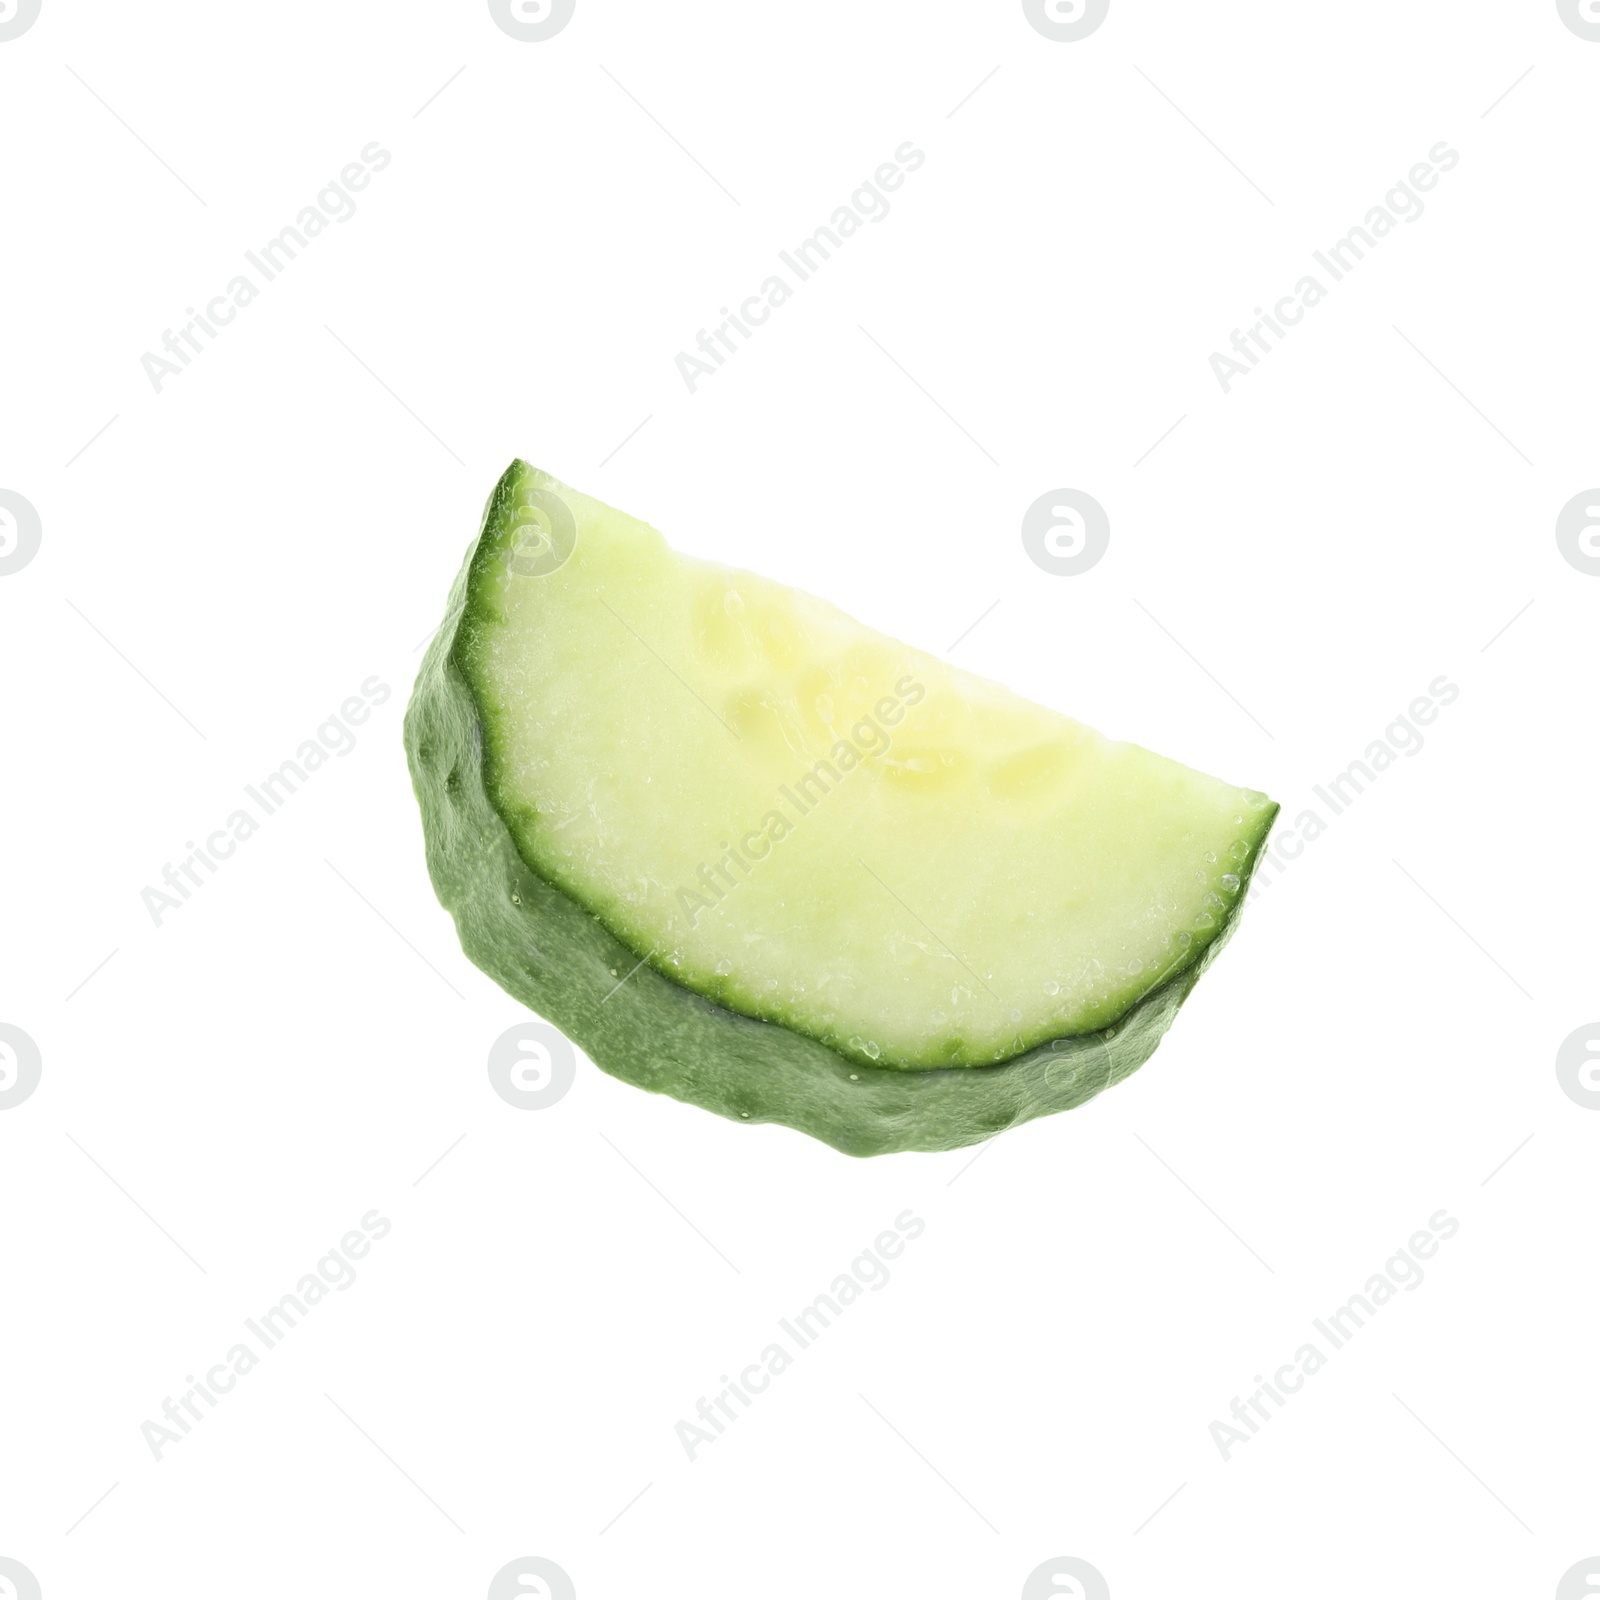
559, 960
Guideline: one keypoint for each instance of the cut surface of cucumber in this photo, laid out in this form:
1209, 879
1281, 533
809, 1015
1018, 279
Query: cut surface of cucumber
774, 818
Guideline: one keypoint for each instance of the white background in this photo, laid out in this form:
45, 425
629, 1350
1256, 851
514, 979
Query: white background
225, 563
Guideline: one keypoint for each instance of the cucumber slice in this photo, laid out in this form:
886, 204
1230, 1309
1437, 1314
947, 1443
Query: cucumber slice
753, 854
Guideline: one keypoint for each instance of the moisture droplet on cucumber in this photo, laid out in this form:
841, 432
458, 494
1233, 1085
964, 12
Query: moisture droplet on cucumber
753, 854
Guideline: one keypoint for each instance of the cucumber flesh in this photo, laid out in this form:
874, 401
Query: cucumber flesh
806, 822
